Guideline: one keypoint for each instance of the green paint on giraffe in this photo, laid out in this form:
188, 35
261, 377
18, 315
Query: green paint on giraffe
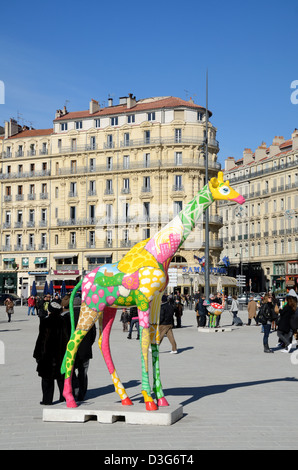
157, 388
145, 376
107, 281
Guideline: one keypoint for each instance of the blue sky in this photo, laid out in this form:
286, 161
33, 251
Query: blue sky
64, 52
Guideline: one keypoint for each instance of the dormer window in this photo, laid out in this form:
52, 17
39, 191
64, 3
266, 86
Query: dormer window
63, 126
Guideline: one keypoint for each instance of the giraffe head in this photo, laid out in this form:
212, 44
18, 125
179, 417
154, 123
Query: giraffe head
221, 190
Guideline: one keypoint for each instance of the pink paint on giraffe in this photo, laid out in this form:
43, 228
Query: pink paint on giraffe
101, 293
131, 281
95, 298
108, 320
144, 318
110, 299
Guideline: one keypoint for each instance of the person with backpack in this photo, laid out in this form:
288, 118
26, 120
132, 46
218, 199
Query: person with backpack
266, 316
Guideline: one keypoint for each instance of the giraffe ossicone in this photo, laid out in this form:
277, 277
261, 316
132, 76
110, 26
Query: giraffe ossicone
138, 279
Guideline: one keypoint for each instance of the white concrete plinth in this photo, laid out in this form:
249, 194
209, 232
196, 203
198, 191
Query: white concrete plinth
215, 330
135, 414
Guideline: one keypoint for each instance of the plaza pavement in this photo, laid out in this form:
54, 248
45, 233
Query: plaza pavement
233, 395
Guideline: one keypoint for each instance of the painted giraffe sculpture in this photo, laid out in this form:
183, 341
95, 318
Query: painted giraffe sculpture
138, 279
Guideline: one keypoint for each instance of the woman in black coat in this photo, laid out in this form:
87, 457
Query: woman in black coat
49, 351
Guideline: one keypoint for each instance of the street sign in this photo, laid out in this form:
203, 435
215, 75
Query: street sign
173, 277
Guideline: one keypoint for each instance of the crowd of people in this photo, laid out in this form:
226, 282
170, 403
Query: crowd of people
54, 330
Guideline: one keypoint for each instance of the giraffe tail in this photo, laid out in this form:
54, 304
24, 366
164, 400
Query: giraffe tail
74, 291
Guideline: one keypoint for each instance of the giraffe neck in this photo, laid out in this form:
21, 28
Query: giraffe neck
164, 244
194, 209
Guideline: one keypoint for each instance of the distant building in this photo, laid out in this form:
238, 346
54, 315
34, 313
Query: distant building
83, 192
262, 235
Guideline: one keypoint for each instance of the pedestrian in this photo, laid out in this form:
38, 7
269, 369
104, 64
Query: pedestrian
166, 322
284, 329
134, 321
49, 351
252, 310
9, 308
201, 311
266, 316
124, 319
57, 298
178, 311
234, 307
43, 306
219, 300
31, 305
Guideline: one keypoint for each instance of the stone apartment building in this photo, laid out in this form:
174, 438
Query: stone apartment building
84, 191
261, 237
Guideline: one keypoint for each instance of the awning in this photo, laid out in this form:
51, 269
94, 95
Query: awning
213, 280
64, 256
8, 259
40, 260
97, 255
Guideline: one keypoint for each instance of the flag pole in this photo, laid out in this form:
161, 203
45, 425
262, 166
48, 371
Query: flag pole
207, 268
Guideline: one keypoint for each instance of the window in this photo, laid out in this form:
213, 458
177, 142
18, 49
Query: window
114, 121
146, 210
73, 213
109, 163
146, 183
56, 192
178, 183
93, 143
73, 145
56, 239
125, 185
63, 126
92, 164
109, 212
130, 118
200, 116
92, 188
147, 160
109, 186
72, 239
178, 158
125, 211
177, 207
92, 212
73, 189
7, 218
178, 135
126, 139
147, 137
151, 116
79, 124
43, 216
110, 141
125, 161
109, 238
97, 122
92, 239
73, 166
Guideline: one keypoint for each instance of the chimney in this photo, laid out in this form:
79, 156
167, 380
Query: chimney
247, 156
131, 101
93, 106
229, 163
295, 140
274, 147
123, 100
261, 152
110, 101
11, 128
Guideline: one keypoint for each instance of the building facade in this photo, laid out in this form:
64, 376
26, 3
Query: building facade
83, 192
261, 237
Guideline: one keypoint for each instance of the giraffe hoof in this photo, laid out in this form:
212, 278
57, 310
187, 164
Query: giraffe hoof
71, 404
162, 402
127, 401
151, 406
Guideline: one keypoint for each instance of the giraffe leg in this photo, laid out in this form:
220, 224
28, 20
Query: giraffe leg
104, 345
157, 387
144, 341
87, 319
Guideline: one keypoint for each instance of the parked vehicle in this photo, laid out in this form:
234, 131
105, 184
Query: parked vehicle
16, 299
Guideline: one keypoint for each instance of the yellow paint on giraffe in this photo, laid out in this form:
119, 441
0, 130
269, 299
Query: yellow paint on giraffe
131, 263
145, 346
